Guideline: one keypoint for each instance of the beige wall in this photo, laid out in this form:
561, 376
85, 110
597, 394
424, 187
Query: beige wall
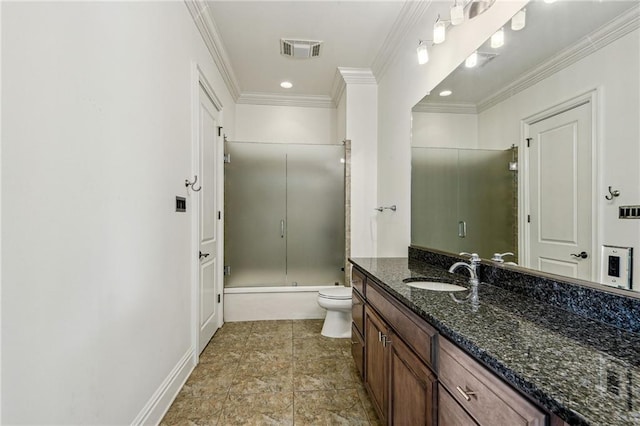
444, 130
96, 267
285, 124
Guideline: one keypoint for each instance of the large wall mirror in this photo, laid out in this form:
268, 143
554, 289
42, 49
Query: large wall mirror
533, 147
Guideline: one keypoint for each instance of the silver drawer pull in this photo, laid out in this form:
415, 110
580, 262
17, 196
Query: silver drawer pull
379, 336
465, 393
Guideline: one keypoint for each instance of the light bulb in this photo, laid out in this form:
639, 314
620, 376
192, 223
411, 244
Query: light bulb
472, 60
446, 93
519, 20
286, 85
439, 32
423, 54
497, 40
457, 14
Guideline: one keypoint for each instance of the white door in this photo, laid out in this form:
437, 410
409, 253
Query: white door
560, 193
210, 294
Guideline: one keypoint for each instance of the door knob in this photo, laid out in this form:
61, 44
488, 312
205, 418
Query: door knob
203, 255
582, 255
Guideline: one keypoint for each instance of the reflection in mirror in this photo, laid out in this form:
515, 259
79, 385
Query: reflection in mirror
483, 211
556, 108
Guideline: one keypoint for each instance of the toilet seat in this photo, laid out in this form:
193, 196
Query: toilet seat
336, 293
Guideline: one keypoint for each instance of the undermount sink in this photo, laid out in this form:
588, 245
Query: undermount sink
435, 286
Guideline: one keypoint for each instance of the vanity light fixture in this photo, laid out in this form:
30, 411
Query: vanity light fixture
461, 10
457, 13
519, 20
472, 60
439, 31
474, 8
446, 93
286, 85
423, 53
497, 39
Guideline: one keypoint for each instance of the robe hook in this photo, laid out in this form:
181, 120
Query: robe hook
613, 194
191, 184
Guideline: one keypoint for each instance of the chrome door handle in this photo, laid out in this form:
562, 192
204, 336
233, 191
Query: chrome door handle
282, 228
462, 229
581, 255
202, 255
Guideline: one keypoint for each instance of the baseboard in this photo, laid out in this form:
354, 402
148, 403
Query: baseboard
163, 397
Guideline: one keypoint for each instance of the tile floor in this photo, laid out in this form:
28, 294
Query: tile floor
273, 373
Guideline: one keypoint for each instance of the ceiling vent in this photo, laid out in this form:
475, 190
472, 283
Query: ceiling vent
302, 49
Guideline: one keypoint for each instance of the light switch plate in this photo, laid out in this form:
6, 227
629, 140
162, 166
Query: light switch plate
616, 267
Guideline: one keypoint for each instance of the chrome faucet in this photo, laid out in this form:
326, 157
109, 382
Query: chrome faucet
473, 297
474, 261
498, 257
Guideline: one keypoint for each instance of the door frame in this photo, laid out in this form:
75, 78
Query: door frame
199, 79
591, 97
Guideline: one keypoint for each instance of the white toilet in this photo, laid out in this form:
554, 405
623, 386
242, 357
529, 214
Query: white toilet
337, 302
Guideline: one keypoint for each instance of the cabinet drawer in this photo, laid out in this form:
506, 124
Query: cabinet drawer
357, 312
415, 332
449, 411
358, 281
483, 395
357, 350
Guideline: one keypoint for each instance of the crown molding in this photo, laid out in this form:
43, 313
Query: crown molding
608, 33
211, 37
409, 16
357, 75
462, 108
338, 86
347, 75
275, 99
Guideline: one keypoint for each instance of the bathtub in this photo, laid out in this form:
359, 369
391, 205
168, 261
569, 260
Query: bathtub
271, 303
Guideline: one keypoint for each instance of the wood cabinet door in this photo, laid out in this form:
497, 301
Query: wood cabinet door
375, 377
412, 386
357, 350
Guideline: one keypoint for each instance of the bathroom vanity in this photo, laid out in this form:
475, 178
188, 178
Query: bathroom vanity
427, 359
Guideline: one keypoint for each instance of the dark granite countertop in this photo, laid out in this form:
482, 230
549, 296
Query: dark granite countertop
582, 370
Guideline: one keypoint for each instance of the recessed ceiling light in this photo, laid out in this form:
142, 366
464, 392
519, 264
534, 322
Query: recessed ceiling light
286, 85
446, 93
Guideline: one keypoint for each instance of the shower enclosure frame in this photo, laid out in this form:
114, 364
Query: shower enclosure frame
256, 183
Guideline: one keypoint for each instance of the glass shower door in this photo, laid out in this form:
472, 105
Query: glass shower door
315, 214
463, 200
434, 198
284, 214
255, 219
486, 201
